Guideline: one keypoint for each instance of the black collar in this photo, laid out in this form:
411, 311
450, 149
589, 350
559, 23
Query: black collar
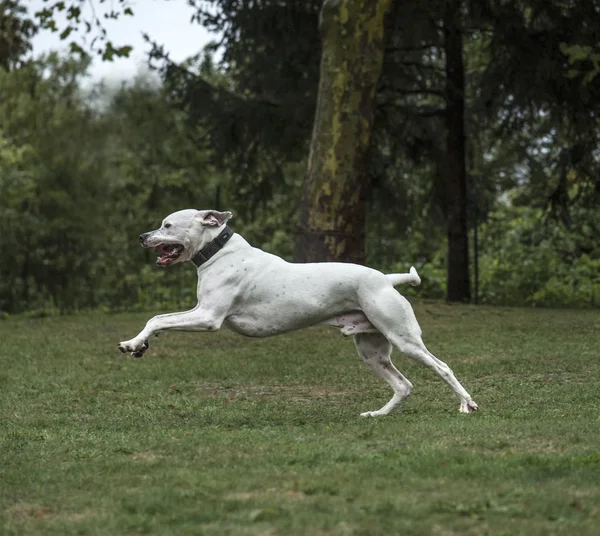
212, 247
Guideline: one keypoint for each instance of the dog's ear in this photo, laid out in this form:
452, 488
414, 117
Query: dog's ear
213, 218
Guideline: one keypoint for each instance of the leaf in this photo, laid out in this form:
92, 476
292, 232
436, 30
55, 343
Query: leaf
66, 32
124, 51
73, 13
76, 49
576, 52
589, 77
43, 15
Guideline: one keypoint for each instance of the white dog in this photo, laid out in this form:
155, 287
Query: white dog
257, 294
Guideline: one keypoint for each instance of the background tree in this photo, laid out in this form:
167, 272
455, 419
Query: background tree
258, 117
80, 177
333, 217
459, 287
51, 222
244, 125
16, 31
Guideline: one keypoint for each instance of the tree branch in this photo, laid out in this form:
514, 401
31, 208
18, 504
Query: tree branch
411, 111
417, 91
411, 48
418, 65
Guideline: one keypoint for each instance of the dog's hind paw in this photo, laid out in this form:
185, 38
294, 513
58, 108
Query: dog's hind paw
373, 413
468, 406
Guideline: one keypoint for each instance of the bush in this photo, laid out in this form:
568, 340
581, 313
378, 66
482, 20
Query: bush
526, 260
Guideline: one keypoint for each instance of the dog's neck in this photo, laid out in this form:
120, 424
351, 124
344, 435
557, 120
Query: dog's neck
213, 247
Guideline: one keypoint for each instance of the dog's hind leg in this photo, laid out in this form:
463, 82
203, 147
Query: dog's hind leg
393, 316
419, 352
375, 350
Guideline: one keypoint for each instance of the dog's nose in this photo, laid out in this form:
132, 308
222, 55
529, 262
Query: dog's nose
143, 237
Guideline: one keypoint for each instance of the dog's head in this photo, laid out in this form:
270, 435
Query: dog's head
183, 234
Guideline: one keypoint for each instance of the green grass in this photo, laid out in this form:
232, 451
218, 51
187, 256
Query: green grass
217, 434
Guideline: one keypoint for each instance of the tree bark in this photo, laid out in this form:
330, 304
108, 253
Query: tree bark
458, 288
332, 219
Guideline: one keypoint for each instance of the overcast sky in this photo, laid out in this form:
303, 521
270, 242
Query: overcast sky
167, 22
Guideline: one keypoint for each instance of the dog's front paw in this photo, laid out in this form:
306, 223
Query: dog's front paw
468, 406
135, 347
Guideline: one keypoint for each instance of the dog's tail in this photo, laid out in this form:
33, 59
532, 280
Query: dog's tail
412, 278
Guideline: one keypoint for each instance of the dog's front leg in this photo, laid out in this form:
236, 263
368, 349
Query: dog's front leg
194, 320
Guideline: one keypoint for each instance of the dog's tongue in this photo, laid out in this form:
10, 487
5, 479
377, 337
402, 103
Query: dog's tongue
166, 253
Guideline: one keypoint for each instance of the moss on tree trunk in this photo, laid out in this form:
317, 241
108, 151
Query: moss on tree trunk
332, 220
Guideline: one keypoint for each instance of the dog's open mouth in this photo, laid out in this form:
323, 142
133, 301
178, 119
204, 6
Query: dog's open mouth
168, 253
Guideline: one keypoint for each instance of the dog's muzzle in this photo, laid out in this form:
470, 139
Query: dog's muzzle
167, 252
143, 237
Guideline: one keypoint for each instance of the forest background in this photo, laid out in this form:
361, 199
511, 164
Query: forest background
472, 152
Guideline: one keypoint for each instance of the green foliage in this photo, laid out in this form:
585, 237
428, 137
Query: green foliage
80, 180
584, 61
90, 24
52, 221
16, 32
272, 225
576, 284
82, 175
527, 258
393, 249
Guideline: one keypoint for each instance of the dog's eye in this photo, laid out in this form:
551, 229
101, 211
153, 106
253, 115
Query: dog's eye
167, 225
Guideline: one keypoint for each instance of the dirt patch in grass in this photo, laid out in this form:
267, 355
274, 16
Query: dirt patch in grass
144, 456
261, 494
540, 446
547, 378
293, 392
22, 512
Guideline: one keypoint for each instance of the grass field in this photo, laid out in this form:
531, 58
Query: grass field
220, 435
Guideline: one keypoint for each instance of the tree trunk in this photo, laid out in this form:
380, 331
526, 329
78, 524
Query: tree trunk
332, 219
458, 288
